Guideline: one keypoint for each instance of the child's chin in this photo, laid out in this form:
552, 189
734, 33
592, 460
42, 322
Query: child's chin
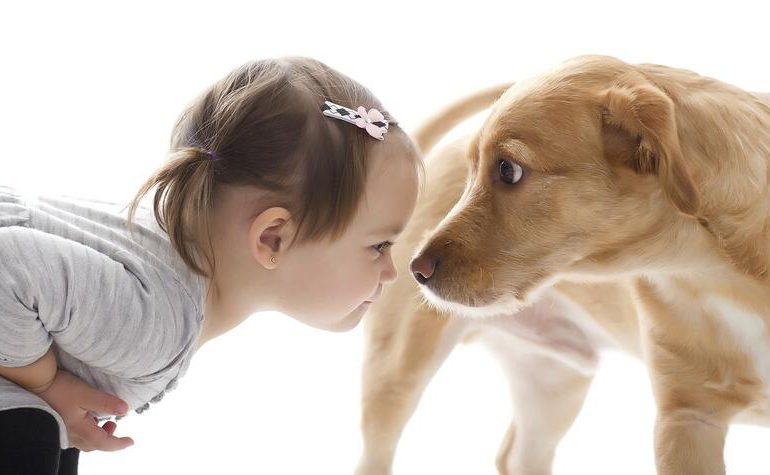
351, 320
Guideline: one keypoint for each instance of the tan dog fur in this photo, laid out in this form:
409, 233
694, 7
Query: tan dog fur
640, 172
549, 351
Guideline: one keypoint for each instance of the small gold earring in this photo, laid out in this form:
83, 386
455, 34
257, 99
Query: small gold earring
272, 259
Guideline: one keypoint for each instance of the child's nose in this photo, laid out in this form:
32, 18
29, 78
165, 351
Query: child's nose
390, 274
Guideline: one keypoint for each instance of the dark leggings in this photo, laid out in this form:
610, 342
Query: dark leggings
29, 444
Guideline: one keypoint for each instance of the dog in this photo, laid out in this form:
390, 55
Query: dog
604, 171
549, 350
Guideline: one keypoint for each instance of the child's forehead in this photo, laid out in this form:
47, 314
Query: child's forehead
389, 162
390, 192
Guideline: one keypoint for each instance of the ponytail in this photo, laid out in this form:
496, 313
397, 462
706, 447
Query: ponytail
182, 203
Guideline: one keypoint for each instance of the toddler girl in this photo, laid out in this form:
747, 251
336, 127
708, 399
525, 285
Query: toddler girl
286, 186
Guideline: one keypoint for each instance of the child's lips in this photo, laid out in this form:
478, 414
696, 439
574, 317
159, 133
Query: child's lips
376, 296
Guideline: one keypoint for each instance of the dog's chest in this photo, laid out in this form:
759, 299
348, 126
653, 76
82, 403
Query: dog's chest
723, 324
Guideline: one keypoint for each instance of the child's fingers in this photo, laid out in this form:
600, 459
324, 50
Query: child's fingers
96, 438
109, 427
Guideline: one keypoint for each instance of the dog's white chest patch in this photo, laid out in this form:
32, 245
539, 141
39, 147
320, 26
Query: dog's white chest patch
748, 329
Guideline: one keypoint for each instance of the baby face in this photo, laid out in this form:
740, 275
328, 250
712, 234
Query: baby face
334, 282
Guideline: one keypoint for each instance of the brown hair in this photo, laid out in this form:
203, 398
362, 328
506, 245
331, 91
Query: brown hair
261, 125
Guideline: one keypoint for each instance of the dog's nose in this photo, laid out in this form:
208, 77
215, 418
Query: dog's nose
422, 267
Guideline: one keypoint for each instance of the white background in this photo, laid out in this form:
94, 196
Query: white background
88, 96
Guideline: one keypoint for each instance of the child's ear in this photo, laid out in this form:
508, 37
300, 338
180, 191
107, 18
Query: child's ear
269, 236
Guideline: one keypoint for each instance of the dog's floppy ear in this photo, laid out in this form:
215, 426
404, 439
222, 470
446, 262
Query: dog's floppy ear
641, 119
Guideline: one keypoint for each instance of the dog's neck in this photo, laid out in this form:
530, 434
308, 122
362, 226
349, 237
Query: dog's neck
733, 178
724, 133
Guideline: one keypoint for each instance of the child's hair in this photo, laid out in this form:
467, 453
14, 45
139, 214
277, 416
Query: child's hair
262, 125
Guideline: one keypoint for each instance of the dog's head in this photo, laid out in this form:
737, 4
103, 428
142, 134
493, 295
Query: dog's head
568, 173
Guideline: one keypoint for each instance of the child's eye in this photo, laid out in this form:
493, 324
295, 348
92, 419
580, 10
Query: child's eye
382, 247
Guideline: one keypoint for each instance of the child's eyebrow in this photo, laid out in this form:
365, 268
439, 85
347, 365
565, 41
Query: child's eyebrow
388, 231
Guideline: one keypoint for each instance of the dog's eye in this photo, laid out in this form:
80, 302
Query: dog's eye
510, 172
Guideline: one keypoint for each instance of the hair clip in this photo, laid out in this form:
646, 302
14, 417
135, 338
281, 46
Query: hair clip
373, 121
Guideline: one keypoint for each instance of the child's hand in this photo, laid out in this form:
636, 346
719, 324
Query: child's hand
72, 398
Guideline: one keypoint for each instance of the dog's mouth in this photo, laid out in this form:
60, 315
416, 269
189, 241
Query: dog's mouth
468, 289
473, 306
445, 281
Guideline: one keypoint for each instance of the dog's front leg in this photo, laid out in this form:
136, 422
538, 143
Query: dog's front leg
693, 417
687, 440
405, 346
698, 385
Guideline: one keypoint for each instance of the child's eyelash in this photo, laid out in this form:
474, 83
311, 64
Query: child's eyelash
381, 247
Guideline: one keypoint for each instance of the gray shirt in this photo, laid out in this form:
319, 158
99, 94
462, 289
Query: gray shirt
122, 311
